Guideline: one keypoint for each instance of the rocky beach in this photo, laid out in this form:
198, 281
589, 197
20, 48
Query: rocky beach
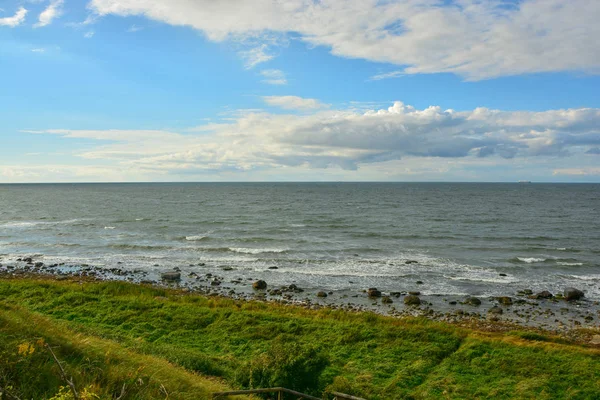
568, 313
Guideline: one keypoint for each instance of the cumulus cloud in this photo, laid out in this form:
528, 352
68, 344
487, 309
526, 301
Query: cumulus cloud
54, 10
274, 77
471, 38
350, 140
294, 102
15, 20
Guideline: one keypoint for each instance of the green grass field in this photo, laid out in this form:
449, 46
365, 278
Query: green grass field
161, 343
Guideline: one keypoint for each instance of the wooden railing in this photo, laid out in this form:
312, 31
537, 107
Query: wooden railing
280, 391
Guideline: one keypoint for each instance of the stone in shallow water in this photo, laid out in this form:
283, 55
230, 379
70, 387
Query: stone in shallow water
573, 294
260, 285
171, 276
505, 300
321, 294
373, 292
474, 301
412, 300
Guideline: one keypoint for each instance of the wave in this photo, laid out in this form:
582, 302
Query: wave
246, 250
196, 238
586, 277
528, 260
130, 246
109, 227
25, 224
569, 264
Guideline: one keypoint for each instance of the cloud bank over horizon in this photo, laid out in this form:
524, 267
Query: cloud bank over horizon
345, 140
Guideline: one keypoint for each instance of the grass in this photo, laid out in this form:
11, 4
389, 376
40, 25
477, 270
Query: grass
253, 344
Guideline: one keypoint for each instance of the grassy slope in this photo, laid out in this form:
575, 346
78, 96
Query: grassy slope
259, 344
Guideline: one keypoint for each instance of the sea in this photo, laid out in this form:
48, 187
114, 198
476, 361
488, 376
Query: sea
480, 239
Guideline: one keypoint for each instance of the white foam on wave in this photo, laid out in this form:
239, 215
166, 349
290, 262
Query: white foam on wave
195, 238
25, 224
561, 248
109, 227
246, 250
570, 263
531, 260
593, 277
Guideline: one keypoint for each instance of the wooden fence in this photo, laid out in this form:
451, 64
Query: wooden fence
280, 391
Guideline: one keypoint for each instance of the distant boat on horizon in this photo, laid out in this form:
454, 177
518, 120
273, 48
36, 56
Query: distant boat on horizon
524, 181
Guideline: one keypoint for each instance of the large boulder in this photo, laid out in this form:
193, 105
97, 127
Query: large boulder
504, 300
321, 294
260, 285
573, 294
473, 301
412, 300
171, 276
373, 292
495, 310
543, 295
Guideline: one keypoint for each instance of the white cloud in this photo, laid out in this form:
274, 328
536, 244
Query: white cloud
577, 171
15, 20
134, 28
54, 10
472, 38
255, 56
388, 75
274, 77
89, 34
39, 50
294, 103
385, 142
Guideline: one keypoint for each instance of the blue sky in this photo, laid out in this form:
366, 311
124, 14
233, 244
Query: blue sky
413, 90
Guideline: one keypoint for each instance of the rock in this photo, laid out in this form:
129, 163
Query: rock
215, 282
419, 282
373, 292
474, 301
227, 268
260, 285
28, 260
386, 300
504, 300
495, 310
415, 293
595, 340
395, 294
412, 300
452, 303
411, 262
39, 264
543, 295
321, 294
573, 294
171, 276
502, 275
273, 267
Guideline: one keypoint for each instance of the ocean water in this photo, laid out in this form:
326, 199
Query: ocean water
332, 236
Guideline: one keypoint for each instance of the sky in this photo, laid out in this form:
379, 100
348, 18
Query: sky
299, 90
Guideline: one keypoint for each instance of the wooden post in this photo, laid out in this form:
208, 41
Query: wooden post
280, 395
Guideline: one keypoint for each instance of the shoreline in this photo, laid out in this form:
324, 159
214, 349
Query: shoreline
572, 320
